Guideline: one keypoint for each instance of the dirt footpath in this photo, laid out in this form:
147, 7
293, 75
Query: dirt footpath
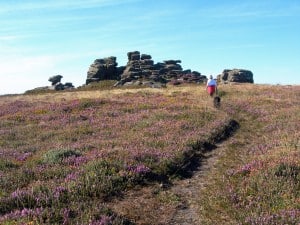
189, 189
170, 204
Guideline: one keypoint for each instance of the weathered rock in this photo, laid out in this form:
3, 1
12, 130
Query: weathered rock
145, 56
104, 69
172, 62
57, 85
194, 77
140, 70
236, 75
135, 55
171, 67
68, 85
55, 79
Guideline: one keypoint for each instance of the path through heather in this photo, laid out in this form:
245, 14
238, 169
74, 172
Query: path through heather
189, 189
178, 203
143, 207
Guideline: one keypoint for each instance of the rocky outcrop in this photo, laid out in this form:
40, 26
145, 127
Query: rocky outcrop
57, 85
55, 79
141, 70
193, 77
104, 69
236, 75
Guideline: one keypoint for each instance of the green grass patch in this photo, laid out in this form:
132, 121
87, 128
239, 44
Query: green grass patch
56, 156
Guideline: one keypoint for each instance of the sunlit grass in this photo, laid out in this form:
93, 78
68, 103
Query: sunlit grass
64, 154
258, 179
61, 148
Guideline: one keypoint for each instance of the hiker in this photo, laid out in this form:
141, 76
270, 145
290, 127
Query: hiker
211, 86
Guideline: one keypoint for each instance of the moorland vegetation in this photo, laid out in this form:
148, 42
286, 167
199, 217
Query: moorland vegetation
65, 156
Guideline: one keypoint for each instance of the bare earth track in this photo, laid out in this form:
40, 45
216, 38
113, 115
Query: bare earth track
190, 189
175, 203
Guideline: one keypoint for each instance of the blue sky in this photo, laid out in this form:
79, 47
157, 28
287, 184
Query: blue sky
39, 39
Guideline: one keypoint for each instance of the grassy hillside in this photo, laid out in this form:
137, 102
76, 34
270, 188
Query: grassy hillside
64, 156
257, 181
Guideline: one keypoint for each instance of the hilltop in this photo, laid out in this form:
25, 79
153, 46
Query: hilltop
151, 156
142, 71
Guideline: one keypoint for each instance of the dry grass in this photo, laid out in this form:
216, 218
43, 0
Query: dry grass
65, 154
257, 181
62, 151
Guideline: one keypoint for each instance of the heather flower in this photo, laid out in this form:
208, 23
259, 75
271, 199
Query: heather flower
233, 196
41, 198
72, 176
249, 167
75, 160
263, 148
140, 130
24, 156
138, 169
105, 220
282, 217
25, 212
66, 215
59, 191
19, 194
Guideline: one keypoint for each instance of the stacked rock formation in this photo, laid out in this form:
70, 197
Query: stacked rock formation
104, 69
193, 77
57, 85
141, 70
236, 75
55, 79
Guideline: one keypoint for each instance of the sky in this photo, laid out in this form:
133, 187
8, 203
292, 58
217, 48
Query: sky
39, 39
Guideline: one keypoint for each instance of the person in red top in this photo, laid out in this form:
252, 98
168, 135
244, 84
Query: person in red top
211, 86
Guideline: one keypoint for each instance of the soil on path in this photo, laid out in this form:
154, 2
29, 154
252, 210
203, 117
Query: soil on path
190, 189
174, 204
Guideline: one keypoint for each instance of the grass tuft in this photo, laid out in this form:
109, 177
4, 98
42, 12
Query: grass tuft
58, 155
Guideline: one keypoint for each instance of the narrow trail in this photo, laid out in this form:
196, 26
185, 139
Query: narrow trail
140, 202
175, 204
189, 189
